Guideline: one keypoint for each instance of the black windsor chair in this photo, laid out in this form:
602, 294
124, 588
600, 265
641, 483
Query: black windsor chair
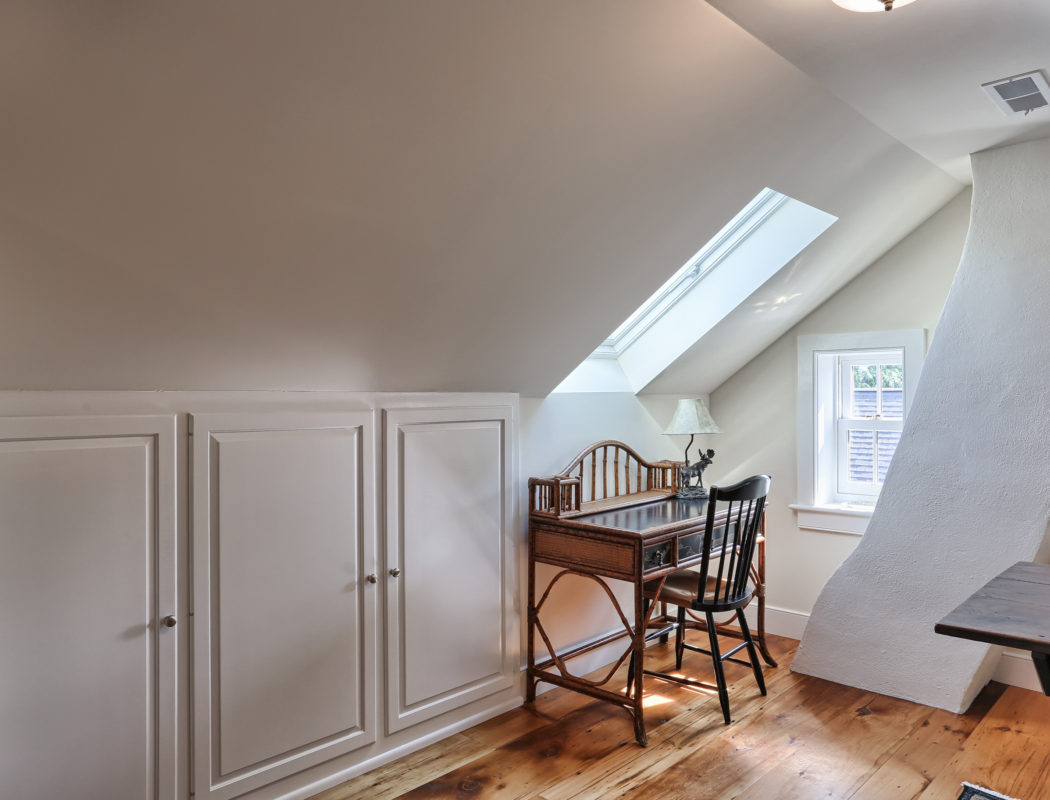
720, 585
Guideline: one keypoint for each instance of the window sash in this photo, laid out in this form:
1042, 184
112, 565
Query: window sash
847, 391
848, 488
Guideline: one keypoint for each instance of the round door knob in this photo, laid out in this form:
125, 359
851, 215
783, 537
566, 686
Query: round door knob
169, 621
395, 572
371, 578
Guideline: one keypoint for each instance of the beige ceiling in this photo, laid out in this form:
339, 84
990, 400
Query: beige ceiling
406, 195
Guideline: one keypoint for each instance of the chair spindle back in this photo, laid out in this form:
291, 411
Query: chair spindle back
734, 535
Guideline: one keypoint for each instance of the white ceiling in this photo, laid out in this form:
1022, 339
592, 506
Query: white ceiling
450, 195
916, 74
917, 71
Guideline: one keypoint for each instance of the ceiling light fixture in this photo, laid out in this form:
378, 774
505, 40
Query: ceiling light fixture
871, 5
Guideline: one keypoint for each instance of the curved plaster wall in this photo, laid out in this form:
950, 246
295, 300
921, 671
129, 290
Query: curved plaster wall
967, 493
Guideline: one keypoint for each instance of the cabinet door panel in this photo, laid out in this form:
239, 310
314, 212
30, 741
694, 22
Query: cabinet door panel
87, 569
283, 535
447, 517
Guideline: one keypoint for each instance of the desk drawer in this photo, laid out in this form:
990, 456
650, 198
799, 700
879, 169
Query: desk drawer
658, 556
599, 555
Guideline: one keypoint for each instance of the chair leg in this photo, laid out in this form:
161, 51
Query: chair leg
720, 675
751, 652
679, 638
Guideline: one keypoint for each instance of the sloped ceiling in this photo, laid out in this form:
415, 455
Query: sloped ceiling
915, 73
401, 195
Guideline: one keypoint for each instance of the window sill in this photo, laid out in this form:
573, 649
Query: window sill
833, 519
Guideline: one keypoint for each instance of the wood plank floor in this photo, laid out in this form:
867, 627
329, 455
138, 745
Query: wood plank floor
807, 739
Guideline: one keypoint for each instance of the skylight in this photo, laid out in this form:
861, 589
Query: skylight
747, 252
692, 272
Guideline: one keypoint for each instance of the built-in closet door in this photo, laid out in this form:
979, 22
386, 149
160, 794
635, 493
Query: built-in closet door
88, 667
448, 573
284, 613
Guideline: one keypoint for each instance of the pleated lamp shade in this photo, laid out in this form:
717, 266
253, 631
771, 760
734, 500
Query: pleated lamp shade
692, 416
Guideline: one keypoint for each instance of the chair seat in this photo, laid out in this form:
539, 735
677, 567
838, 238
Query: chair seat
680, 589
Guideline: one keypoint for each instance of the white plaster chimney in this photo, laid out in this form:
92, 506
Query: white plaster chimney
968, 491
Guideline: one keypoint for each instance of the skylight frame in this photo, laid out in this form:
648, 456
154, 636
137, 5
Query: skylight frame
713, 253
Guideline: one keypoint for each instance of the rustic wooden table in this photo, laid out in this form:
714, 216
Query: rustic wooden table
1013, 610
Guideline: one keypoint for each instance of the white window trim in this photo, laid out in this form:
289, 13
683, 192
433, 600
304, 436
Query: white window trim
841, 517
832, 520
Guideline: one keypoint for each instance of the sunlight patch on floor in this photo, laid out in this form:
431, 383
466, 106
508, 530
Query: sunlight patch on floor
650, 700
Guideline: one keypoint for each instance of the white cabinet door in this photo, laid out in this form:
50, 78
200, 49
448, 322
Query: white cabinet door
284, 618
449, 561
88, 683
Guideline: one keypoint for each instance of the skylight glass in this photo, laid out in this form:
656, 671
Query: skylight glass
692, 272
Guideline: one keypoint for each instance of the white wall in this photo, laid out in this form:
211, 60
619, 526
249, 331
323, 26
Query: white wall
556, 428
756, 408
966, 494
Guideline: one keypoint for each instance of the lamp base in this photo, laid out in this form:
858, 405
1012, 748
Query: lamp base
692, 493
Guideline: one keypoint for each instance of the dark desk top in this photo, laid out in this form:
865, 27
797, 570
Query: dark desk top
1012, 609
648, 516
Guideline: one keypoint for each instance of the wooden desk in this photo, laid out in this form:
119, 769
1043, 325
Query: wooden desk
634, 544
1013, 610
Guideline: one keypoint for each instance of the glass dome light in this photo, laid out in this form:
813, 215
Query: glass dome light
871, 5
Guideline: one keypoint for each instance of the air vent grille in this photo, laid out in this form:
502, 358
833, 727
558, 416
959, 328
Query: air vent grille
1019, 94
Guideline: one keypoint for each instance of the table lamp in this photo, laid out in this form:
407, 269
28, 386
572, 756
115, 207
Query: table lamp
692, 417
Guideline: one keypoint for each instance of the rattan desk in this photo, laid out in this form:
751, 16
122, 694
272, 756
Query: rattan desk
635, 543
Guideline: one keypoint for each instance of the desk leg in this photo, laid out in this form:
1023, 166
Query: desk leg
530, 680
553, 669
1042, 669
638, 656
760, 593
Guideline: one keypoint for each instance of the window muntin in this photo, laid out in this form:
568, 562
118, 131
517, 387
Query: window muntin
872, 385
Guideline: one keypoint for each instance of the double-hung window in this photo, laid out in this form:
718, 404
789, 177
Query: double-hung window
854, 393
870, 416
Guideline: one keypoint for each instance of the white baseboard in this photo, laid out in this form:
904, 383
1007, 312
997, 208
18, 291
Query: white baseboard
1016, 669
784, 622
779, 622
394, 753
